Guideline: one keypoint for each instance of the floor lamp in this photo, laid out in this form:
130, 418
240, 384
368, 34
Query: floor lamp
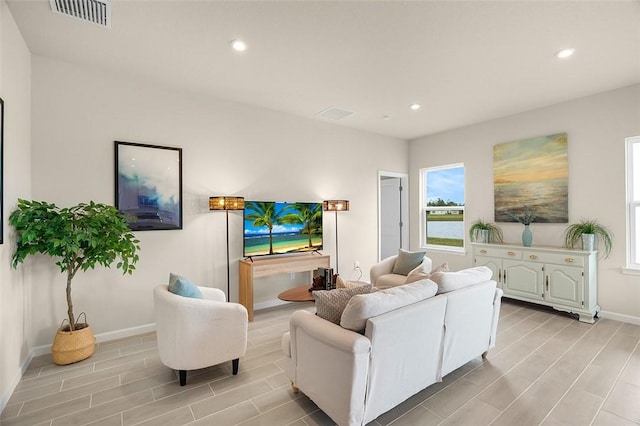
336, 206
226, 204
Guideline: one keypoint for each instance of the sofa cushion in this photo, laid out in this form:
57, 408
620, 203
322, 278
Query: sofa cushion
407, 261
419, 274
364, 306
183, 287
331, 303
450, 281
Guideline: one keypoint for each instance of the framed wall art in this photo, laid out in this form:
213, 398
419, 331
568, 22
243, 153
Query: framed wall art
532, 173
149, 185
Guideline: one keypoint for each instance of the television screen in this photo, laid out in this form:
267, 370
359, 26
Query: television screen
277, 228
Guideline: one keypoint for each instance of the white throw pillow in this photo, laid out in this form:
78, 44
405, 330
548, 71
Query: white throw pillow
361, 307
450, 281
419, 274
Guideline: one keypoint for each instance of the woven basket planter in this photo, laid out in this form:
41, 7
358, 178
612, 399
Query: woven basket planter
73, 346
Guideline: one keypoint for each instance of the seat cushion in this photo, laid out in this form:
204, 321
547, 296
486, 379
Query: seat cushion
364, 306
331, 303
450, 281
183, 287
407, 261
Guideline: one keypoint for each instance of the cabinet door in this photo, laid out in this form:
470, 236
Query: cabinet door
564, 285
522, 279
492, 263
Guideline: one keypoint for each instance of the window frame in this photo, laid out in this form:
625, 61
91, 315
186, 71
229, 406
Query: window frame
632, 207
424, 209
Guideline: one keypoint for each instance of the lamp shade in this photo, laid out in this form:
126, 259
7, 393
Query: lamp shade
226, 203
335, 205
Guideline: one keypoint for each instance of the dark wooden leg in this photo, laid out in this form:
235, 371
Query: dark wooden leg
235, 364
484, 354
183, 377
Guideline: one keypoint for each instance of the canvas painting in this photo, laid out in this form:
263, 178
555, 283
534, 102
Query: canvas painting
534, 174
149, 185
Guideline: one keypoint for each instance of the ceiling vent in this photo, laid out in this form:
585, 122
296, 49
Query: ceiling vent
334, 113
94, 11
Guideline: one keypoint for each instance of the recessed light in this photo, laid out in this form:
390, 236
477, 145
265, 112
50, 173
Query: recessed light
415, 107
239, 45
565, 53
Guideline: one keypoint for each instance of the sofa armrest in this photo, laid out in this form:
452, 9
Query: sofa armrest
330, 365
385, 266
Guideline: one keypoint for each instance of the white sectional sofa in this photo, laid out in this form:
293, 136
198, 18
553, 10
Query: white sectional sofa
412, 339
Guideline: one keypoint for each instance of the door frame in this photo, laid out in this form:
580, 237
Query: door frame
404, 205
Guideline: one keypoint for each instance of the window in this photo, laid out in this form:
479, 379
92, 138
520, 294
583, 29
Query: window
442, 207
633, 203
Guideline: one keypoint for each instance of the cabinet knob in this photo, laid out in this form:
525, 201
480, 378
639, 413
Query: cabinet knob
533, 256
511, 253
483, 252
569, 260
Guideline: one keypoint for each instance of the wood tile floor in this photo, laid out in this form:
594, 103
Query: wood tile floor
547, 368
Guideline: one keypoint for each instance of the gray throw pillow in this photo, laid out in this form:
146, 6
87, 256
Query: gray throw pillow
407, 261
331, 303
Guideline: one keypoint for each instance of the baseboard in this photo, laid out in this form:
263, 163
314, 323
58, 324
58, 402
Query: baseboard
269, 304
14, 383
619, 317
103, 337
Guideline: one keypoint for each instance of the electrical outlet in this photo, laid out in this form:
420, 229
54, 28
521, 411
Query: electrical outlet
293, 276
356, 265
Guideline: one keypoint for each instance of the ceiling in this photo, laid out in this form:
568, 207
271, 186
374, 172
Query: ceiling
464, 62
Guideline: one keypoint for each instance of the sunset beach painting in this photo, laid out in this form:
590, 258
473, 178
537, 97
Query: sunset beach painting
532, 173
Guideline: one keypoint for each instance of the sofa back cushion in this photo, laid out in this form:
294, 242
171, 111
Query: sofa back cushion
450, 281
364, 306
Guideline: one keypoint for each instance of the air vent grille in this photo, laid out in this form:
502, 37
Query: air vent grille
95, 11
334, 113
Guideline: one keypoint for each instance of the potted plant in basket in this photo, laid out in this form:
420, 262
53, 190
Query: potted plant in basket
587, 231
79, 238
485, 232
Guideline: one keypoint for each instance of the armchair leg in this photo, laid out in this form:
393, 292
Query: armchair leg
183, 377
484, 354
294, 388
234, 365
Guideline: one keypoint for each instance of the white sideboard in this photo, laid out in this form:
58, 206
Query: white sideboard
564, 279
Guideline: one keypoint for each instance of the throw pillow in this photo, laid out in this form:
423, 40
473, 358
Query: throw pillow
183, 287
364, 306
406, 261
331, 303
450, 281
419, 274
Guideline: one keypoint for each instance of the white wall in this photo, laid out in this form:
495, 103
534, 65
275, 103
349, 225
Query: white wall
596, 127
228, 148
15, 90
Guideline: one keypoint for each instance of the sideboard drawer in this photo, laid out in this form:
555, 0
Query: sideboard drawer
555, 258
502, 253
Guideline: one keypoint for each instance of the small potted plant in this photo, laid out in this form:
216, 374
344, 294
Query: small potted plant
485, 232
586, 231
78, 238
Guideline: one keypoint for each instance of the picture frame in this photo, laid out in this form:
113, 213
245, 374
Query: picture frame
148, 185
1, 171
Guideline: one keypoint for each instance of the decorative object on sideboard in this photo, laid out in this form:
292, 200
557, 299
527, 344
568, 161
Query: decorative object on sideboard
336, 206
148, 182
79, 237
587, 231
532, 169
226, 204
485, 232
526, 218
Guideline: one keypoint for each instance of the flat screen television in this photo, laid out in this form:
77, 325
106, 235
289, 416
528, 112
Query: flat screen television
272, 227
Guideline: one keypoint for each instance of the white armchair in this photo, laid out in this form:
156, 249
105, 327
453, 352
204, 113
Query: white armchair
382, 275
198, 333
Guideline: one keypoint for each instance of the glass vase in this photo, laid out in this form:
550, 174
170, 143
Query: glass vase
527, 236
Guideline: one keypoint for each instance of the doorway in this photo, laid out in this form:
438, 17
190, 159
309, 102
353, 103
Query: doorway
393, 213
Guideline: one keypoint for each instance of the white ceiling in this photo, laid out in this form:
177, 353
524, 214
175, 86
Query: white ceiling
465, 62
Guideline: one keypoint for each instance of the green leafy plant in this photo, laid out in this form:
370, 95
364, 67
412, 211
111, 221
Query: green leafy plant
494, 233
526, 218
80, 237
574, 232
